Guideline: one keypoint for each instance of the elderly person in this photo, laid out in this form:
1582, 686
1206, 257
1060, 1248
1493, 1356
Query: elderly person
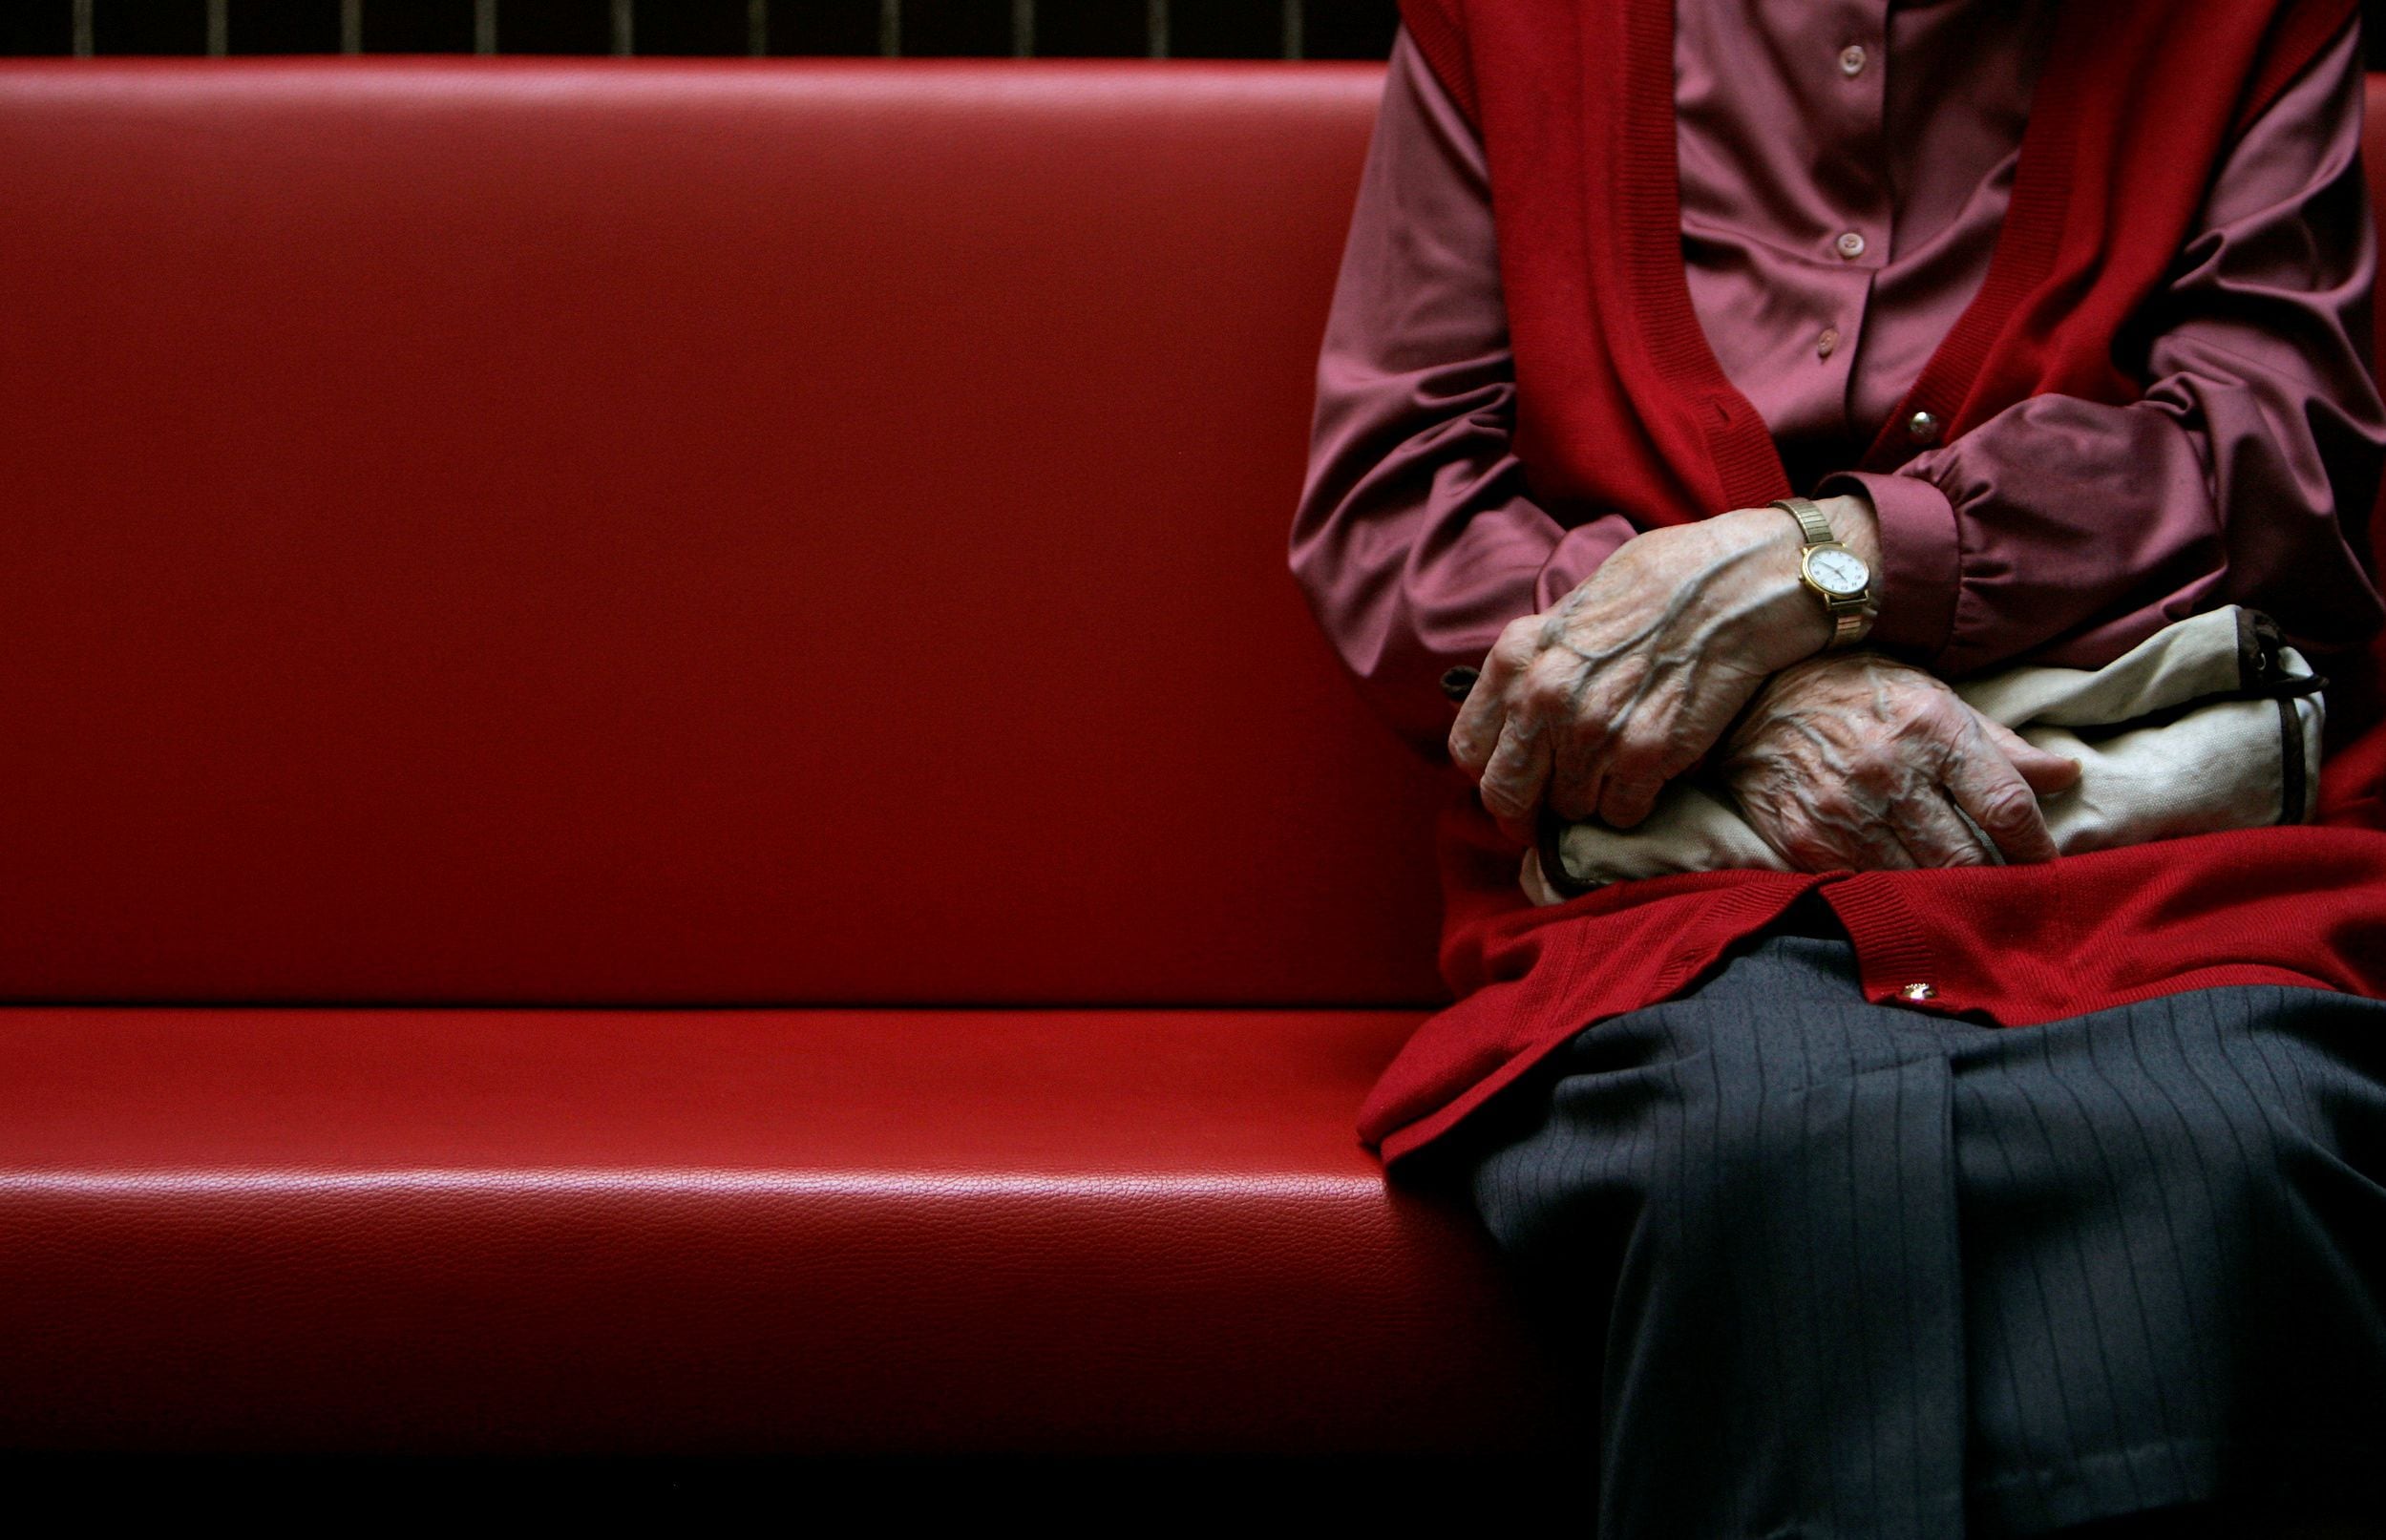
1720, 378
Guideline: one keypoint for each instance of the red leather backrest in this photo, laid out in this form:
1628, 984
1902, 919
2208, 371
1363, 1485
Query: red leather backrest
2374, 161
2352, 784
803, 532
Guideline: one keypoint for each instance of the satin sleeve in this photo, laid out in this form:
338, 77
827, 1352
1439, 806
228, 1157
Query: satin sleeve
2065, 531
1415, 540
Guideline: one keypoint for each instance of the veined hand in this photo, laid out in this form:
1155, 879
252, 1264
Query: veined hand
1593, 705
1861, 762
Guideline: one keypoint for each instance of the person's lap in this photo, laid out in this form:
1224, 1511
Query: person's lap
1865, 1270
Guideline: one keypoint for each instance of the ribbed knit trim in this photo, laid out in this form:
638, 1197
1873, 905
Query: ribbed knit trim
1647, 181
2035, 216
1738, 912
1442, 41
1892, 949
2026, 243
2302, 30
1645, 201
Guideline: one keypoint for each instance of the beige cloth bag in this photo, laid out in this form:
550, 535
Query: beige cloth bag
2211, 723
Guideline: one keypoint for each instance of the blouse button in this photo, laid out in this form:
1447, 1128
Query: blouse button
1851, 244
1827, 344
1851, 60
1923, 428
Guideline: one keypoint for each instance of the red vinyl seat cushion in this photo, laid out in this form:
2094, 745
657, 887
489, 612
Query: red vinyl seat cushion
724, 1231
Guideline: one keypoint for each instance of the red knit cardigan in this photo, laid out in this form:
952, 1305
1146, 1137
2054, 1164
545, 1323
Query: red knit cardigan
1621, 404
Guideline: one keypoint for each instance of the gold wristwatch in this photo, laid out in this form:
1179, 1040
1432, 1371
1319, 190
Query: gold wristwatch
1837, 575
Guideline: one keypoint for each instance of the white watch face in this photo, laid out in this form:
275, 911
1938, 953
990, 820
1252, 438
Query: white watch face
1841, 573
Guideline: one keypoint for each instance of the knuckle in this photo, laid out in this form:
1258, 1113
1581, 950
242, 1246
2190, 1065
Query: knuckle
2008, 805
1630, 756
1586, 733
1503, 798
1546, 689
1645, 733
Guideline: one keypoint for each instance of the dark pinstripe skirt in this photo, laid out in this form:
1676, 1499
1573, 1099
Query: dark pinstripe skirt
1859, 1271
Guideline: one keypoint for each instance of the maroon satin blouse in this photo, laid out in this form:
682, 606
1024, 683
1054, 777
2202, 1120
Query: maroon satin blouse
1845, 167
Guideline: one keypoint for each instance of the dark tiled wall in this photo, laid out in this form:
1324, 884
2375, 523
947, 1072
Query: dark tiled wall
1212, 28
1215, 29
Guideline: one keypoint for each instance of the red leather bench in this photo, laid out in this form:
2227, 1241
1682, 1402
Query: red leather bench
660, 786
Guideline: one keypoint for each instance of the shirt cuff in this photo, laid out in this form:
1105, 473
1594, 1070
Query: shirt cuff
1921, 562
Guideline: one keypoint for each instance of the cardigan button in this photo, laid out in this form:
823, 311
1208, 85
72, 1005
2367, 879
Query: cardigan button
1919, 993
1923, 428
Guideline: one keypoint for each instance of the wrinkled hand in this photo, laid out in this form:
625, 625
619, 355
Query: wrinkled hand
1856, 761
1625, 683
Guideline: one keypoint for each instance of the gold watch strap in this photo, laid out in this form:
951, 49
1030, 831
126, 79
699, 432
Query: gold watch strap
1850, 615
1809, 517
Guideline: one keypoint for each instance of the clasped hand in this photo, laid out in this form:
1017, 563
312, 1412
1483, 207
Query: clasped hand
1845, 760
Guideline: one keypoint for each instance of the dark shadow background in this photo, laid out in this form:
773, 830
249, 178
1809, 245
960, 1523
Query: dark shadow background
1189, 29
1101, 29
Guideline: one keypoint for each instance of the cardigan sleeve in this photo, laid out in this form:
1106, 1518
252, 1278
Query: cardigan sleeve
2065, 531
1416, 540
